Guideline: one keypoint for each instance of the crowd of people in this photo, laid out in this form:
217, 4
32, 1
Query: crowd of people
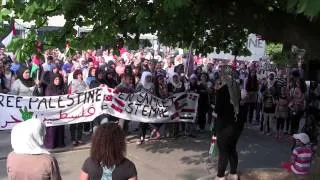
276, 99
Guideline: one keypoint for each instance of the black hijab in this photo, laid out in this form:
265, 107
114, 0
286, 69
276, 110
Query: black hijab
56, 89
27, 82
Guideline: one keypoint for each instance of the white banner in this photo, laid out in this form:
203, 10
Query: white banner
87, 105
144, 107
53, 110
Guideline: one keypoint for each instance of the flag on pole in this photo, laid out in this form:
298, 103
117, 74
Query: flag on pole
189, 66
35, 65
8, 38
36, 60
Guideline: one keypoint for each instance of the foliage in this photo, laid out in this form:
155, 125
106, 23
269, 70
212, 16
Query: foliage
283, 59
310, 8
280, 56
206, 24
273, 48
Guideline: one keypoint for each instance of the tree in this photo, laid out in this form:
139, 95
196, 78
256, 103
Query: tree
224, 24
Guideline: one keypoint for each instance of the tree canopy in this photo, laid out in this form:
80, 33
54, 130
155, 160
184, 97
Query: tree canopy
207, 24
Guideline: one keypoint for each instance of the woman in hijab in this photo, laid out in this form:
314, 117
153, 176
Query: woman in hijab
193, 85
55, 134
145, 85
77, 85
228, 125
25, 85
29, 160
175, 85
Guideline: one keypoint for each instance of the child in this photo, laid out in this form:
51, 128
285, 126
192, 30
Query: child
301, 156
281, 112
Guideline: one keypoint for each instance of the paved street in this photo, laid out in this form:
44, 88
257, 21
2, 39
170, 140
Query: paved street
182, 158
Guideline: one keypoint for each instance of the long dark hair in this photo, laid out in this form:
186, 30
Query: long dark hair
252, 82
108, 145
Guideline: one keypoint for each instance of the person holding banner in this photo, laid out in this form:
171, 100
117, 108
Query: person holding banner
77, 85
25, 85
124, 87
174, 86
29, 160
228, 125
161, 91
145, 85
55, 134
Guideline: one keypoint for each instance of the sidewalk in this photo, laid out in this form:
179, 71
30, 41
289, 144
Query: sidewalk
182, 158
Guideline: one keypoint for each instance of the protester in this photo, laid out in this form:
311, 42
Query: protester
9, 76
107, 156
3, 88
77, 85
297, 102
91, 76
145, 85
124, 87
54, 137
204, 100
228, 127
161, 91
100, 78
252, 94
29, 160
175, 85
281, 112
25, 85
269, 107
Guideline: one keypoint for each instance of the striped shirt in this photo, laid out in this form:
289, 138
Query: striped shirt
301, 159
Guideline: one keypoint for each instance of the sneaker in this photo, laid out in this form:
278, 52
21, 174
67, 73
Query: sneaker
139, 142
269, 134
233, 177
220, 178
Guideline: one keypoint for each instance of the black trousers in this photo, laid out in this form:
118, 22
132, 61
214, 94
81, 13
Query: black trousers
250, 109
295, 121
227, 139
143, 130
76, 131
202, 112
280, 124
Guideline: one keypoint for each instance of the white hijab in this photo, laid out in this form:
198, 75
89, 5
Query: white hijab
27, 137
146, 85
271, 82
176, 85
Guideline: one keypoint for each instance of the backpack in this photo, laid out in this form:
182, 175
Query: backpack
107, 172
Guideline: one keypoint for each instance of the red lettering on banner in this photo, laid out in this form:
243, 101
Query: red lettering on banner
116, 108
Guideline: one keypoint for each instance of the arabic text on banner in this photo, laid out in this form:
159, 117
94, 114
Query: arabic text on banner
87, 105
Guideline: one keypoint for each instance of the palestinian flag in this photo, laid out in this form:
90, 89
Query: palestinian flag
9, 36
36, 61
